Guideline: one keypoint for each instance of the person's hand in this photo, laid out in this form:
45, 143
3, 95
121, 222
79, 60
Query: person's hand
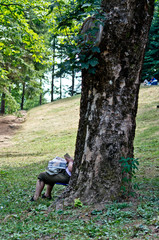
68, 158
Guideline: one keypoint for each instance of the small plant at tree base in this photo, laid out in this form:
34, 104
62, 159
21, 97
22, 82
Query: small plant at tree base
129, 167
77, 203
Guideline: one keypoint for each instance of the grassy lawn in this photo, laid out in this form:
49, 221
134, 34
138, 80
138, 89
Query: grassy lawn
50, 130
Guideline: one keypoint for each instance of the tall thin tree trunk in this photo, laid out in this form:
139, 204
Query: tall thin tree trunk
60, 86
109, 101
41, 94
23, 96
9, 107
73, 82
3, 103
61, 78
53, 70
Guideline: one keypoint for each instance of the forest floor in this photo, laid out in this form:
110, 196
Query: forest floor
8, 125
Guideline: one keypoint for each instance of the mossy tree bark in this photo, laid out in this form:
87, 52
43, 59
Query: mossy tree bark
109, 102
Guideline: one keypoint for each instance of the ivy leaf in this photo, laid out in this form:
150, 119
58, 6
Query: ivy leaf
85, 65
86, 5
93, 62
96, 49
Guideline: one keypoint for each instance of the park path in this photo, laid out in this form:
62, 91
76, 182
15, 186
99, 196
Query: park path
8, 126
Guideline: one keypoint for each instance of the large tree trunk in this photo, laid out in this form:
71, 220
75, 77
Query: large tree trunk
109, 102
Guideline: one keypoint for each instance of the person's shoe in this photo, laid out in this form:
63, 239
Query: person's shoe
49, 197
32, 199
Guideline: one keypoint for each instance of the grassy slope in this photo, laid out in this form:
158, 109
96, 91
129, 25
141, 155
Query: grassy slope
50, 130
147, 132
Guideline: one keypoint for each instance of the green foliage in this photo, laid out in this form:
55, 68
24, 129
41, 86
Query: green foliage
22, 44
33, 102
10, 101
27, 30
3, 173
129, 167
67, 21
77, 203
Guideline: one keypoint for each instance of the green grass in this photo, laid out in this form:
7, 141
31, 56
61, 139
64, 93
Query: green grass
50, 130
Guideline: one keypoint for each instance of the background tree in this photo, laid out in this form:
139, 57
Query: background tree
53, 67
21, 41
65, 20
2, 103
109, 101
151, 60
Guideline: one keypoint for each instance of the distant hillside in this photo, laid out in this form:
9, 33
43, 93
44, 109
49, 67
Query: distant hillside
51, 129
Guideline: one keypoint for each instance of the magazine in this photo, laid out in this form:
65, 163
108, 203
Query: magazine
55, 165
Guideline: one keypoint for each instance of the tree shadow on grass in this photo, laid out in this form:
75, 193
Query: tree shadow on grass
14, 154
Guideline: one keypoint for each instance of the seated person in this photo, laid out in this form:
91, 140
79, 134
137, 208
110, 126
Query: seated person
50, 177
153, 81
146, 82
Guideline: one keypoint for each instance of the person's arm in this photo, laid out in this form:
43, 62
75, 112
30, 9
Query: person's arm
69, 161
70, 166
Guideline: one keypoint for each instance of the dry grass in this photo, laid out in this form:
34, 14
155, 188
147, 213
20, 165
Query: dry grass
49, 130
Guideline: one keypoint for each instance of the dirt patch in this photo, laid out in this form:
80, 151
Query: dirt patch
8, 126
